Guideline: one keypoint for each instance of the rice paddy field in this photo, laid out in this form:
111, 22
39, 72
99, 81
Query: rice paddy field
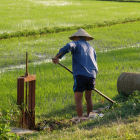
41, 28
19, 15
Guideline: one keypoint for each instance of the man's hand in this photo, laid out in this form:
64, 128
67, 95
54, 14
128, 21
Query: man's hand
55, 60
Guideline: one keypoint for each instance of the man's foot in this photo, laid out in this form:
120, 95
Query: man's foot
76, 120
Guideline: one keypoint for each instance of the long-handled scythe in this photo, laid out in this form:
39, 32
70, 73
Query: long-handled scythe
110, 100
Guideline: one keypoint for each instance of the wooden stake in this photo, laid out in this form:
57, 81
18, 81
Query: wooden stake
26, 74
26, 100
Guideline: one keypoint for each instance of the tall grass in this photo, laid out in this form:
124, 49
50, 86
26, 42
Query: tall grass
54, 94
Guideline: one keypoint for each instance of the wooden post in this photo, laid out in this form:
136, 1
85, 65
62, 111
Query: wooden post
20, 91
20, 98
27, 103
28, 109
31, 104
26, 74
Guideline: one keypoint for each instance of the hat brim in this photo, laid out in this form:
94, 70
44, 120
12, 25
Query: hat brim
87, 38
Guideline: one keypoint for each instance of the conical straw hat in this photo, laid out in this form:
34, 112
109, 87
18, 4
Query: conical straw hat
83, 33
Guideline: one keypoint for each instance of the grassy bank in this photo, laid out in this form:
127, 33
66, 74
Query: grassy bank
119, 130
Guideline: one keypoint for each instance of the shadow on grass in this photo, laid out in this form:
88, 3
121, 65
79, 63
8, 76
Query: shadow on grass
135, 1
126, 109
28, 136
68, 111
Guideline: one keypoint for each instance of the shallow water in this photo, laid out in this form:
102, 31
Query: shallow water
52, 2
22, 66
109, 50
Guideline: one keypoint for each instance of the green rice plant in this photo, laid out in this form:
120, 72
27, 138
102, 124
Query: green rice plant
40, 48
30, 17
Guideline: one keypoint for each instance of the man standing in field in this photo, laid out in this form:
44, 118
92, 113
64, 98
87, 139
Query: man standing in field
84, 67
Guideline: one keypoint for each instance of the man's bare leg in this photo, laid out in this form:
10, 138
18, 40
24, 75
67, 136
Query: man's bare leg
88, 101
78, 102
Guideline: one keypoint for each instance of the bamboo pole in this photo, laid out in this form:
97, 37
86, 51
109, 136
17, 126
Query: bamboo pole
110, 100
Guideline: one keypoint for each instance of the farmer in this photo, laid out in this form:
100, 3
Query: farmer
84, 67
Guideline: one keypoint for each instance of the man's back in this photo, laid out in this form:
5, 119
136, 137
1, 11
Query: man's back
84, 59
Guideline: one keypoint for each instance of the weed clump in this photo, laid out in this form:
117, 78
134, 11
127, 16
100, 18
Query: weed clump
51, 124
7, 117
127, 107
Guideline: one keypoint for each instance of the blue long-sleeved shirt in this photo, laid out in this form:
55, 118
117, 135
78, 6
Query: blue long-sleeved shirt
83, 58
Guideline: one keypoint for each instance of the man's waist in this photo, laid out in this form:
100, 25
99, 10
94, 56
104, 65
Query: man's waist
85, 73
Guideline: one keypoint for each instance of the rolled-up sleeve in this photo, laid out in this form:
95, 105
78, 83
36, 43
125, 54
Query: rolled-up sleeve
67, 48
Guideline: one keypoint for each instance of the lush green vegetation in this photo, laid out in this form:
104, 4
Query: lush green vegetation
128, 130
54, 95
29, 17
45, 47
117, 47
121, 122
